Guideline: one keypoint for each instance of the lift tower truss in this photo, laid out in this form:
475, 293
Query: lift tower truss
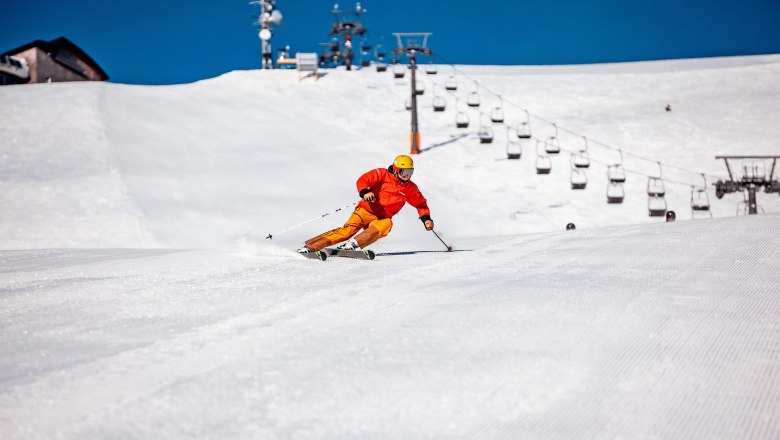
751, 180
412, 44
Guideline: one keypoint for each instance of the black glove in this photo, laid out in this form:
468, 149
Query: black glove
426, 219
367, 195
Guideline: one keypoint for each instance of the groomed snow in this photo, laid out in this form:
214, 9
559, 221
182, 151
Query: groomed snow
140, 299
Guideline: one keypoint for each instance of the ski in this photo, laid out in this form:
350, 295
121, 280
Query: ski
322, 256
364, 254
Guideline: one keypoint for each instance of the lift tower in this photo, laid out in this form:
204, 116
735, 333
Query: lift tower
411, 44
751, 180
347, 23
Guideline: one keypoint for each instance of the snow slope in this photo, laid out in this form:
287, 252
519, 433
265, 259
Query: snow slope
650, 331
204, 164
139, 298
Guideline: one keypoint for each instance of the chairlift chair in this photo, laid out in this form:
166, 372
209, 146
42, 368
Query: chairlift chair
553, 145
497, 114
656, 205
700, 200
408, 103
451, 83
582, 158
485, 135
543, 162
473, 99
365, 49
615, 192
461, 120
524, 128
399, 71
514, 150
431, 69
381, 67
578, 178
379, 52
655, 185
439, 103
419, 87
615, 172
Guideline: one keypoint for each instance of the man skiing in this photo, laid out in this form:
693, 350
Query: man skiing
384, 193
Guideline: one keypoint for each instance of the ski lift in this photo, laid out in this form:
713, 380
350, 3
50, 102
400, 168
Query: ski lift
514, 150
431, 69
365, 49
485, 133
582, 159
381, 67
439, 103
461, 118
553, 145
655, 185
700, 200
419, 87
473, 99
656, 205
408, 103
578, 178
543, 162
497, 114
451, 83
524, 128
399, 71
615, 172
379, 52
615, 192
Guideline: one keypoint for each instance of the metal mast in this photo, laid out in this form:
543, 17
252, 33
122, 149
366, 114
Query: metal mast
269, 16
409, 44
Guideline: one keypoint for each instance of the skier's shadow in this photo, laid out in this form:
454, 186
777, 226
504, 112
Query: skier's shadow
391, 254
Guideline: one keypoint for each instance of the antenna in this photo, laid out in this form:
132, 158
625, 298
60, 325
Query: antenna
410, 44
269, 16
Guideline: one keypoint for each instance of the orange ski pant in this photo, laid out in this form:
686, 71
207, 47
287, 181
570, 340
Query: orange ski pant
373, 229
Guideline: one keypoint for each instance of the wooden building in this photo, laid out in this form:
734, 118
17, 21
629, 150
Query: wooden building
57, 60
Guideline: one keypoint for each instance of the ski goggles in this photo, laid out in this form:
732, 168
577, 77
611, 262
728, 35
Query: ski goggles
406, 173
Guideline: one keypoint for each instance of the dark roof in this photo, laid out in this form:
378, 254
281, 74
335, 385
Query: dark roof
61, 43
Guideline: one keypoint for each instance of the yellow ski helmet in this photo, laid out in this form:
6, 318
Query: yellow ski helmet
403, 162
403, 167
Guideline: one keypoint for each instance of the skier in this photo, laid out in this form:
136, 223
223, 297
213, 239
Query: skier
384, 193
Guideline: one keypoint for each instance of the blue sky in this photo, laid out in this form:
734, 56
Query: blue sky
165, 42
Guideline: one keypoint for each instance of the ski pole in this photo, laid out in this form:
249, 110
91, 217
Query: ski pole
449, 248
271, 236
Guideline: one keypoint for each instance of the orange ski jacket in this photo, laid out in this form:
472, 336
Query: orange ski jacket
391, 194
